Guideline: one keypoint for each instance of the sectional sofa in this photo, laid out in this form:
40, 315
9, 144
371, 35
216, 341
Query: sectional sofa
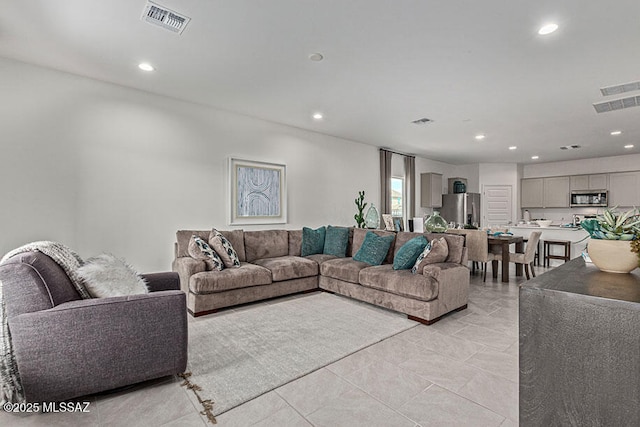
271, 265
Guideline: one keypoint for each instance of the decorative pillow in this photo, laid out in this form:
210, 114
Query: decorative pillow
199, 249
374, 248
224, 249
439, 250
312, 241
336, 241
107, 276
421, 257
409, 252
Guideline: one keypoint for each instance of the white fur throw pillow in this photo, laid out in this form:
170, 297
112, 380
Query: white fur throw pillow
107, 276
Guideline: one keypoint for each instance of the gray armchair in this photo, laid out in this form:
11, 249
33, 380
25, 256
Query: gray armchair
68, 347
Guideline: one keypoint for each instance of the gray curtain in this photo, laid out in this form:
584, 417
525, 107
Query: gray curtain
410, 183
385, 181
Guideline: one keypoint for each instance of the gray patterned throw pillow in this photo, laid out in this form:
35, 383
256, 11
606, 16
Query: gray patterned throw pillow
199, 249
224, 249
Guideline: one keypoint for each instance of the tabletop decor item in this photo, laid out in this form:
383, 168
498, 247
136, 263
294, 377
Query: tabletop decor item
360, 204
435, 223
612, 233
372, 219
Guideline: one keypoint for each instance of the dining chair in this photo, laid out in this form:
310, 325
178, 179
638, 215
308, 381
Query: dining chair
477, 244
529, 254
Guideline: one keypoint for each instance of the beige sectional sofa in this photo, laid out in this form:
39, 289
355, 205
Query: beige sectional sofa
271, 265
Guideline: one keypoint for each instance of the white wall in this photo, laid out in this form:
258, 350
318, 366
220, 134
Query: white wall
101, 167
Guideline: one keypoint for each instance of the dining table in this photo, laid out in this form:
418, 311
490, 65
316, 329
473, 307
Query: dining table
504, 241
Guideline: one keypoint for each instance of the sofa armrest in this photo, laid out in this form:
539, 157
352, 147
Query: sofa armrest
453, 283
86, 346
187, 267
465, 256
165, 281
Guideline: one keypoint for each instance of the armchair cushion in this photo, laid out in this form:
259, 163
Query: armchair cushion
108, 276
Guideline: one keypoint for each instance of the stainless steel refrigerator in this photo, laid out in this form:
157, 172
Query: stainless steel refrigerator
461, 208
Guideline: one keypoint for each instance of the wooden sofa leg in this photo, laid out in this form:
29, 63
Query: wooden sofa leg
432, 321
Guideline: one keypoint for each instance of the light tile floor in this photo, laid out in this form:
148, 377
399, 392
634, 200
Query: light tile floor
462, 370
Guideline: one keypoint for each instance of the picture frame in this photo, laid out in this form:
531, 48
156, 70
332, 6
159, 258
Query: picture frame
258, 192
388, 222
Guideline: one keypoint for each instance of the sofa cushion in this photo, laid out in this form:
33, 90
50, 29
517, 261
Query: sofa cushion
312, 240
288, 267
400, 282
343, 269
358, 238
236, 237
246, 275
407, 255
436, 252
336, 241
455, 242
266, 244
224, 249
374, 249
200, 250
295, 242
320, 258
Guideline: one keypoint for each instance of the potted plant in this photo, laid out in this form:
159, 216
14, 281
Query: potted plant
611, 234
360, 204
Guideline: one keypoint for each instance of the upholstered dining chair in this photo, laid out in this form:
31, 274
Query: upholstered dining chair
477, 244
529, 254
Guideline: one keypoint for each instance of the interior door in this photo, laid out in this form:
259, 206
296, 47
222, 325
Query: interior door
497, 205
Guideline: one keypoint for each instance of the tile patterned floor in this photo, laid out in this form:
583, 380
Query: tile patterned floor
462, 371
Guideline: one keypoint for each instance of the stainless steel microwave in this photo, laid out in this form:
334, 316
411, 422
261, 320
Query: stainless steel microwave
589, 198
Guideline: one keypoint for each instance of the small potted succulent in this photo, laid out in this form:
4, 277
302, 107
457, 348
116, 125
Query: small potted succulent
614, 236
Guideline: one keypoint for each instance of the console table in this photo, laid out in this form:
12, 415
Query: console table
580, 347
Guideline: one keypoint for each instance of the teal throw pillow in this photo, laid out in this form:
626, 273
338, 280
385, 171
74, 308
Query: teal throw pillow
409, 253
312, 240
336, 241
374, 248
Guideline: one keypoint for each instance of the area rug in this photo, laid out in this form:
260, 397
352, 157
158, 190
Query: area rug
238, 355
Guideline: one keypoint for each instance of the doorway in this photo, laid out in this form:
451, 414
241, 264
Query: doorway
497, 207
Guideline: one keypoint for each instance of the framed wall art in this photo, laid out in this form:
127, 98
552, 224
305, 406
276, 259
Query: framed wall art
258, 192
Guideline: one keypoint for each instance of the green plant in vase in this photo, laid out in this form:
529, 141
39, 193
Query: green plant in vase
614, 246
360, 204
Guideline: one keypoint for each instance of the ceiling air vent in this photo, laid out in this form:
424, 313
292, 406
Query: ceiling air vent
165, 18
422, 121
618, 89
617, 104
570, 147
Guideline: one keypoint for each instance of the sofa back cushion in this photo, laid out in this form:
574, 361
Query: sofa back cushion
295, 242
358, 238
266, 244
236, 237
455, 243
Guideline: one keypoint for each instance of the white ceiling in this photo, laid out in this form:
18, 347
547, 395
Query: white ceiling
470, 66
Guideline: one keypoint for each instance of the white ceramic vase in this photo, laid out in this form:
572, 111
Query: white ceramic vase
613, 256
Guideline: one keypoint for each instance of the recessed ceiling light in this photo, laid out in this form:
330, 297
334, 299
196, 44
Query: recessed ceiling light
547, 29
144, 66
513, 147
616, 132
317, 116
316, 57
628, 146
480, 137
534, 157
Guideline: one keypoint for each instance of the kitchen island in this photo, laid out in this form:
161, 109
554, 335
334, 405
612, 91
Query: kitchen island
576, 235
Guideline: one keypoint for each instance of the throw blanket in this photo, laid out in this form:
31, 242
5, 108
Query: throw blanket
11, 387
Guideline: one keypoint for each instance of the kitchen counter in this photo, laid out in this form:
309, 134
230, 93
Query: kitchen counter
576, 235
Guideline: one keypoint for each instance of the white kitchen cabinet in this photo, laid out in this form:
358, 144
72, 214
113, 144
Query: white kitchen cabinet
430, 190
532, 193
589, 182
624, 189
556, 192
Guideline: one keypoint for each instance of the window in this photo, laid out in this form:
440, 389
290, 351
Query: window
397, 197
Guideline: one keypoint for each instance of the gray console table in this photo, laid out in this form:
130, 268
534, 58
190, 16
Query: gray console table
580, 348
